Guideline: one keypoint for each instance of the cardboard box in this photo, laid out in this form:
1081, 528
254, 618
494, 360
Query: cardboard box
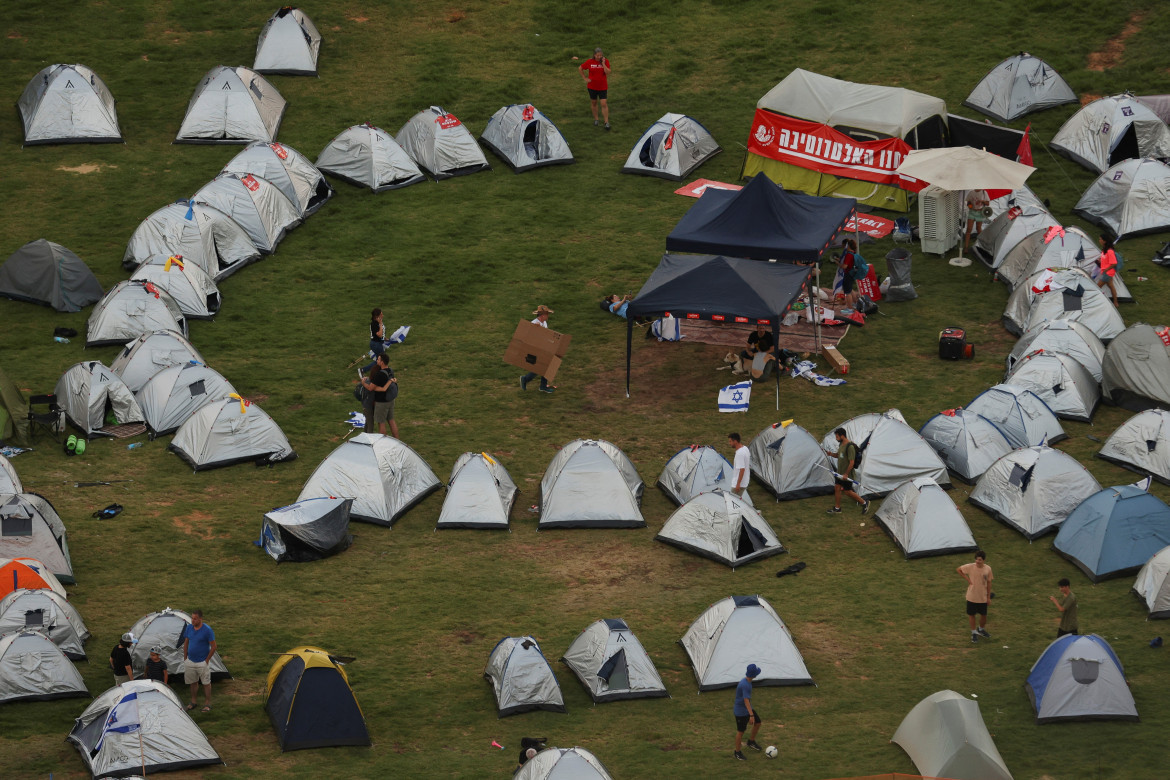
537, 349
836, 360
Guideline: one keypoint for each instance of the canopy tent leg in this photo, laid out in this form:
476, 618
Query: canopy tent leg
629, 350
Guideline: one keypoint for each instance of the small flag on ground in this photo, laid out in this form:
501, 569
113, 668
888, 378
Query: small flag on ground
734, 398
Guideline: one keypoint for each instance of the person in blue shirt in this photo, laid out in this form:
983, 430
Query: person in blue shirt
198, 647
617, 304
745, 713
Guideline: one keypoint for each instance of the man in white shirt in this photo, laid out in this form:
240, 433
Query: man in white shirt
541, 313
741, 465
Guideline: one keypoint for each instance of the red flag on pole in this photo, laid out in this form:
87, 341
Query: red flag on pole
1024, 152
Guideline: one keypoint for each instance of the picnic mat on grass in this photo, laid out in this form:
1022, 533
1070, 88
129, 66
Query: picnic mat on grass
800, 337
131, 429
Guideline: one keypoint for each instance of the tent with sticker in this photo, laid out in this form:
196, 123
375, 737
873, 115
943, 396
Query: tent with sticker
31, 528
68, 104
46, 611
521, 678
1142, 444
611, 663
789, 462
441, 145
150, 353
32, 668
1061, 382
175, 393
1021, 415
1114, 532
1019, 85
1079, 678
1004, 232
922, 520
232, 430
198, 233
130, 309
1112, 129
1129, 199
189, 286
480, 494
308, 530
694, 470
368, 156
49, 274
288, 170
590, 484
524, 138
261, 209
891, 453
164, 629
232, 106
671, 148
1033, 489
1062, 294
967, 442
1056, 247
1068, 337
723, 527
1135, 373
289, 44
89, 393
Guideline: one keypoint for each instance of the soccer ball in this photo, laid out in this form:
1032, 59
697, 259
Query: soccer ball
771, 751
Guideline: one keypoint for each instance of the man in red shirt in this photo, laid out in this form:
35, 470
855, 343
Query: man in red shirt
595, 72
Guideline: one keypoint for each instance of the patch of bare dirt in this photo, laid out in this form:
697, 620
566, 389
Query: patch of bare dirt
455, 16
296, 407
1111, 53
466, 636
359, 19
84, 168
650, 379
256, 399
15, 36
1086, 99
196, 524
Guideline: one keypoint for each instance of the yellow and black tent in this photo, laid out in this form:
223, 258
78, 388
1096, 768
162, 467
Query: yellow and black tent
310, 703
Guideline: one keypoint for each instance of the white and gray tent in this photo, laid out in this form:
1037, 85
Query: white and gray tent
737, 631
173, 394
1068, 247
130, 309
256, 204
88, 391
68, 104
1019, 85
590, 484
150, 353
441, 145
31, 528
967, 442
382, 475
368, 156
48, 612
307, 530
1003, 233
1079, 678
1110, 130
189, 286
230, 431
694, 470
891, 453
1142, 444
612, 664
49, 274
671, 148
198, 233
1020, 414
9, 479
164, 629
1136, 368
480, 494
1062, 294
945, 736
1068, 337
1152, 585
554, 763
1021, 197
1034, 489
1061, 382
723, 527
1130, 199
923, 520
168, 739
232, 106
521, 678
33, 668
789, 462
289, 44
524, 138
286, 168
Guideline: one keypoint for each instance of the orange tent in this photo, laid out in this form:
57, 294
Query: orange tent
28, 573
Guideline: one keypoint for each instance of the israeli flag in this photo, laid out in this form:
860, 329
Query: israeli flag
399, 336
123, 718
734, 398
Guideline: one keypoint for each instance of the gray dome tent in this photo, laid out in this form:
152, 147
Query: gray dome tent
441, 145
130, 309
694, 470
787, 460
382, 475
554, 763
1079, 678
1019, 85
261, 209
923, 520
1033, 489
68, 104
168, 739
1005, 231
307, 530
189, 286
891, 453
165, 629
198, 233
32, 668
521, 678
48, 612
368, 156
671, 148
1020, 414
967, 442
230, 431
590, 484
480, 494
1152, 585
737, 631
1130, 199
1061, 382
524, 138
49, 274
232, 106
1110, 130
612, 664
723, 527
9, 479
87, 392
150, 353
1063, 293
31, 528
286, 168
172, 395
1068, 337
1068, 247
1136, 369
1142, 444
289, 44
945, 736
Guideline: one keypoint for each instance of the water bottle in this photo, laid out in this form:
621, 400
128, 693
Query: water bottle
60, 340
134, 446
1143, 279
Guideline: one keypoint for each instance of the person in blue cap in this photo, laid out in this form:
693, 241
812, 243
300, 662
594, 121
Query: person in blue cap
745, 713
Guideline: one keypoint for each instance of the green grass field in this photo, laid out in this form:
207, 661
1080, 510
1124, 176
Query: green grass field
462, 261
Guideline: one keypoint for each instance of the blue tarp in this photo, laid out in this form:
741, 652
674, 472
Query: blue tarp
1114, 532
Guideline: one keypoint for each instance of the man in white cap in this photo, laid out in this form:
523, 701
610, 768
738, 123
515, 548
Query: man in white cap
541, 319
120, 663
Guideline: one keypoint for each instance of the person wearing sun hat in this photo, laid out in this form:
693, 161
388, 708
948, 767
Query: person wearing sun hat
745, 713
541, 319
120, 663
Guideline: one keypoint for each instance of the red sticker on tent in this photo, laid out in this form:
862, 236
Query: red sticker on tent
692, 316
281, 152
669, 139
250, 182
529, 113
742, 319
447, 121
1164, 334
763, 322
718, 317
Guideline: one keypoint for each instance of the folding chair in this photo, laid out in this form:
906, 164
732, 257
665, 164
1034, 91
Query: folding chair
52, 420
902, 230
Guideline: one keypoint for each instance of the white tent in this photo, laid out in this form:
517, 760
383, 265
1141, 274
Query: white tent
1052, 247
31, 528
287, 169
289, 44
671, 148
368, 156
383, 476
1020, 414
612, 664
967, 442
1110, 130
923, 520
1019, 85
32, 668
723, 527
524, 138
1061, 382
232, 106
1068, 337
1142, 443
66, 104
48, 612
192, 290
945, 736
199, 233
9, 480
1033, 489
694, 470
521, 678
1079, 678
590, 484
1062, 294
150, 353
1152, 585
790, 463
164, 629
88, 391
480, 494
554, 763
891, 453
1130, 199
174, 394
441, 145
737, 631
261, 209
130, 309
230, 431
1005, 231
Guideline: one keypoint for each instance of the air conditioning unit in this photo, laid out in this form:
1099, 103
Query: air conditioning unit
940, 218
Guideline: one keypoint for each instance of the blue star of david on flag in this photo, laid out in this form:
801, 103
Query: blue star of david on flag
735, 398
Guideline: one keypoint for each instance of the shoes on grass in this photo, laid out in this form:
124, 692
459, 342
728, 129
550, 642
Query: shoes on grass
754, 745
974, 637
523, 383
548, 389
865, 507
740, 756
983, 632
595, 123
835, 510
607, 125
